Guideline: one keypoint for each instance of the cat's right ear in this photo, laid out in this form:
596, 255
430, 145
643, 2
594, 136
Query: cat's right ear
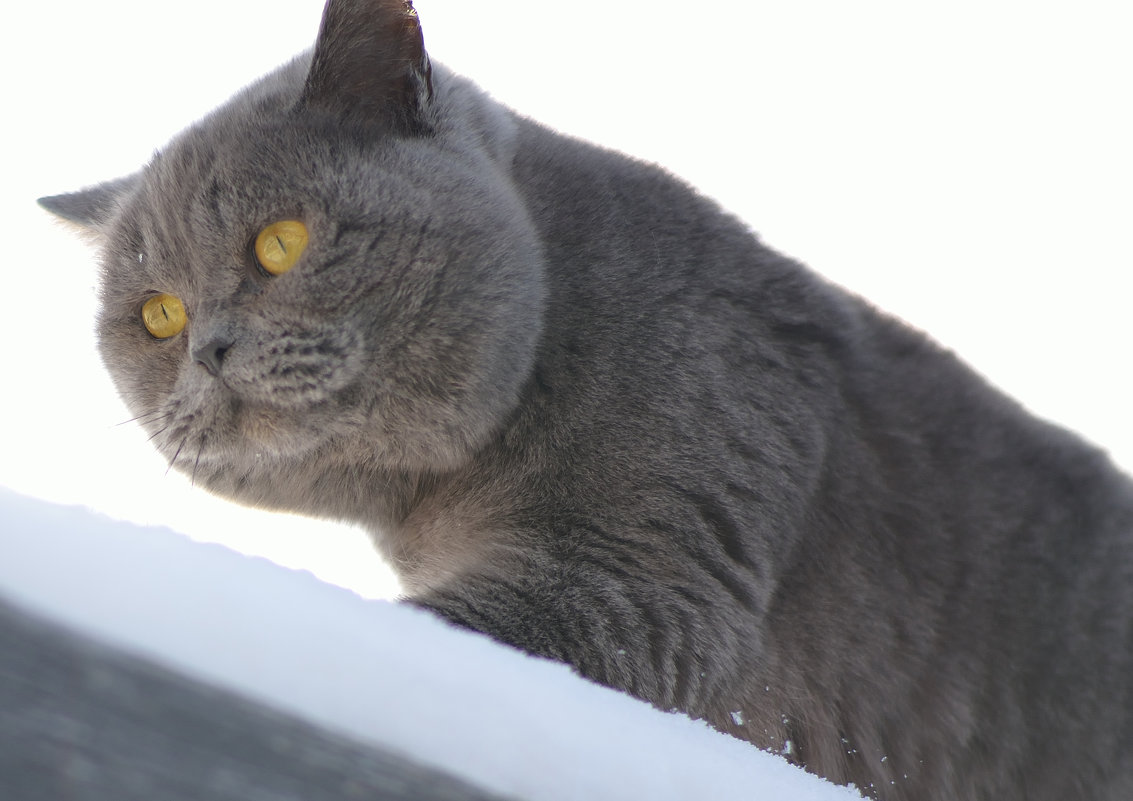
91, 208
370, 65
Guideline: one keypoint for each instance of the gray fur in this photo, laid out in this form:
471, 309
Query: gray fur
585, 411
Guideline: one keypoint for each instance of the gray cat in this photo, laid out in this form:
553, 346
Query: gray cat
585, 411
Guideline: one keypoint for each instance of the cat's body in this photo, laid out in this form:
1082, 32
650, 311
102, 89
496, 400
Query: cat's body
588, 413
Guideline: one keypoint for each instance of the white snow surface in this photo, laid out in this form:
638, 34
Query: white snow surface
374, 670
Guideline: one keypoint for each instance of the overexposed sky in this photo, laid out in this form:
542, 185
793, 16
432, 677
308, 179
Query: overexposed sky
967, 166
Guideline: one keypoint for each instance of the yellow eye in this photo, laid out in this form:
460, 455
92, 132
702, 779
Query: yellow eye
164, 316
279, 246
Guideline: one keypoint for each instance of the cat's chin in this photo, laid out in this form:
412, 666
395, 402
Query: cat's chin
213, 432
241, 437
278, 432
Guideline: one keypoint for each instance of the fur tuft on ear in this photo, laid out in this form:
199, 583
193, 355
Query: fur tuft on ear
370, 65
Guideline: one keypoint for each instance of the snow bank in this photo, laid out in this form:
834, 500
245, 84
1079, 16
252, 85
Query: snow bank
379, 672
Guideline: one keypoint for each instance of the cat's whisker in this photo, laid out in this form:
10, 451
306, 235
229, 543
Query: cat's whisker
176, 454
145, 417
196, 464
157, 433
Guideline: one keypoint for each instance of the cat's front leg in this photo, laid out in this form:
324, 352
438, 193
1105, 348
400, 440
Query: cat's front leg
649, 645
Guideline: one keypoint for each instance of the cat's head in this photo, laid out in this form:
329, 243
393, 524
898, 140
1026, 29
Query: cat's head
334, 265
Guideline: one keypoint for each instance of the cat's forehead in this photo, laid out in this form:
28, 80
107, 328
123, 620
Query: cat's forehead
231, 154
214, 178
249, 144
267, 160
197, 198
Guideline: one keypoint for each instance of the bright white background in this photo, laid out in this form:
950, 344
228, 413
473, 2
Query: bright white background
965, 165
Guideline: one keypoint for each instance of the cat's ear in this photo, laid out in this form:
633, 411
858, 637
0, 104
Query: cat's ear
370, 65
93, 207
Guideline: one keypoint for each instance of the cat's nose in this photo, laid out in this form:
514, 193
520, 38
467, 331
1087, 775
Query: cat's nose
210, 355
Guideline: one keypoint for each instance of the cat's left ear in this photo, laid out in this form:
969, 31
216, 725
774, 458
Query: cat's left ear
370, 65
93, 207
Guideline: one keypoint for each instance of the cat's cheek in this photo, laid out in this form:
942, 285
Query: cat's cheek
144, 370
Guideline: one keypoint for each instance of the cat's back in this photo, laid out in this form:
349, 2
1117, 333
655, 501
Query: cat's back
993, 545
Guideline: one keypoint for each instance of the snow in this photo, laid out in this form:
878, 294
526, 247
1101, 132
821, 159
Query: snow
383, 673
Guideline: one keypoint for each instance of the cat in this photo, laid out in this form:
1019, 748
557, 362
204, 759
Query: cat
587, 412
